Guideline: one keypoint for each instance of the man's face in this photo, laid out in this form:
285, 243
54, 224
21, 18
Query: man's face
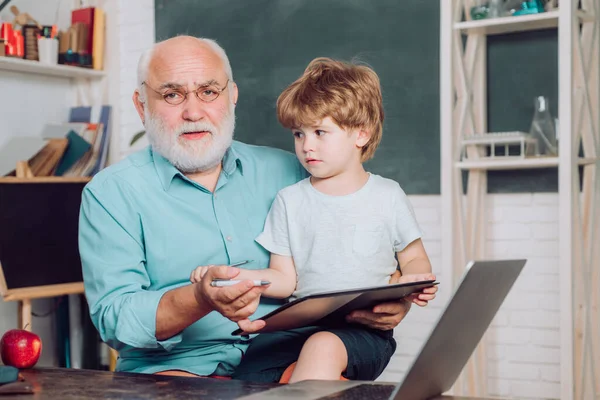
195, 134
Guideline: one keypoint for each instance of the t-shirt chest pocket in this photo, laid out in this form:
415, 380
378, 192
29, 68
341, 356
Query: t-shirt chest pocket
367, 239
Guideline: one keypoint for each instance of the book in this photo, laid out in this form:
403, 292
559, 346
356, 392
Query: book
331, 308
76, 149
86, 164
98, 115
98, 38
83, 19
45, 162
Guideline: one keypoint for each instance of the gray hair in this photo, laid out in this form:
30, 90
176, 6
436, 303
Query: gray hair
146, 57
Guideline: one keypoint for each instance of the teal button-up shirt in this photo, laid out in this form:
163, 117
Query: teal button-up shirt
144, 227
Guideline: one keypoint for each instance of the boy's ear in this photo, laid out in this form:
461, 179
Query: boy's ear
363, 138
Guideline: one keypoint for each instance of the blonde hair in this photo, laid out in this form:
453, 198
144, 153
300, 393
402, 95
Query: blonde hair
348, 93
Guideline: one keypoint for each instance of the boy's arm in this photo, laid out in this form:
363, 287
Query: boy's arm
413, 259
409, 248
281, 273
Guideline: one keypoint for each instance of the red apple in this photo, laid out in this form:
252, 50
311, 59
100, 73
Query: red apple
20, 348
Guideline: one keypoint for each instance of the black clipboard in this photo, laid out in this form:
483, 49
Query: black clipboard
331, 308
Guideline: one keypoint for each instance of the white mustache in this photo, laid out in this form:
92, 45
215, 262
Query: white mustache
195, 127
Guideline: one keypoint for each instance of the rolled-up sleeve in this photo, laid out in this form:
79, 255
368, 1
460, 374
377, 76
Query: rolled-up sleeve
111, 246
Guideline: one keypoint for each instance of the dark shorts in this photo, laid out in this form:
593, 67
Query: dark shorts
369, 352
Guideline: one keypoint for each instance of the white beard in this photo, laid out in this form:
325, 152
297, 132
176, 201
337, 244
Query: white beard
191, 156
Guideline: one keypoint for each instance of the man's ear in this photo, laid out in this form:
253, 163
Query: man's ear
363, 138
234, 94
139, 105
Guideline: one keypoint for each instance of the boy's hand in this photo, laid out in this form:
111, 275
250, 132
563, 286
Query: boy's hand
199, 273
423, 298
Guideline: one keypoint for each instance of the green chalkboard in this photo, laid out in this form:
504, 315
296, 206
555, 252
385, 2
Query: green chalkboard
270, 42
520, 67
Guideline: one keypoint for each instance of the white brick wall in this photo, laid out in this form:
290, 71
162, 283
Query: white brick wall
136, 28
523, 342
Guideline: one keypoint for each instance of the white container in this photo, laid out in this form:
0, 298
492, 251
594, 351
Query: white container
48, 50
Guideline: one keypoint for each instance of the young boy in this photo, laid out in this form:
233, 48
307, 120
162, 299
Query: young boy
341, 228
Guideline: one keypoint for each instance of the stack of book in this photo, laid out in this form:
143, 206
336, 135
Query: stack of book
83, 43
77, 148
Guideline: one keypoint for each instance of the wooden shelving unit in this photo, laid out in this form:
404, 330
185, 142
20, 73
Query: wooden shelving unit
35, 67
521, 23
463, 113
511, 163
65, 86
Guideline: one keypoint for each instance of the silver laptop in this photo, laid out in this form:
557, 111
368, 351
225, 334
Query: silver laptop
482, 289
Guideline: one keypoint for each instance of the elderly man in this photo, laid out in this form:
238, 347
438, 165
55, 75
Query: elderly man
194, 197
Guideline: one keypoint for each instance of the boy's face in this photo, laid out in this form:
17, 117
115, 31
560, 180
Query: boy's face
326, 150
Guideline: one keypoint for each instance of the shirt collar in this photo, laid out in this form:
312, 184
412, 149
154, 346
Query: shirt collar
231, 161
166, 171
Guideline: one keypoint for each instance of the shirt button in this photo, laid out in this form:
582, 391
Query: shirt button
229, 238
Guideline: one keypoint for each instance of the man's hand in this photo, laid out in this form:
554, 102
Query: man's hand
383, 316
388, 315
235, 302
248, 326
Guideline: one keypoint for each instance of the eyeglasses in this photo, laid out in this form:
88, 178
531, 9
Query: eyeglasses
176, 96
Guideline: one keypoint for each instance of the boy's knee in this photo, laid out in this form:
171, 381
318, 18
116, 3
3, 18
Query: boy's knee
325, 342
323, 353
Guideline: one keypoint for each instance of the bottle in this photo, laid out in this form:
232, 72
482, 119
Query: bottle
496, 9
542, 128
479, 9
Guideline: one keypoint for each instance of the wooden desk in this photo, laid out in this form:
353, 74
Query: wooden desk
62, 383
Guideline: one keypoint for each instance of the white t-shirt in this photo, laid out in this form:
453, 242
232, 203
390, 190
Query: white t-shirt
340, 242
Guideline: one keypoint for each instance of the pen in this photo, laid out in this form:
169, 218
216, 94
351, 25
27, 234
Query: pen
225, 282
237, 264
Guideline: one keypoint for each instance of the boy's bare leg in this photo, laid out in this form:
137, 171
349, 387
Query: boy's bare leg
323, 356
177, 372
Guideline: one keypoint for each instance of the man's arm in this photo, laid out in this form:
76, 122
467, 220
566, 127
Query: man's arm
123, 309
176, 311
114, 274
181, 307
